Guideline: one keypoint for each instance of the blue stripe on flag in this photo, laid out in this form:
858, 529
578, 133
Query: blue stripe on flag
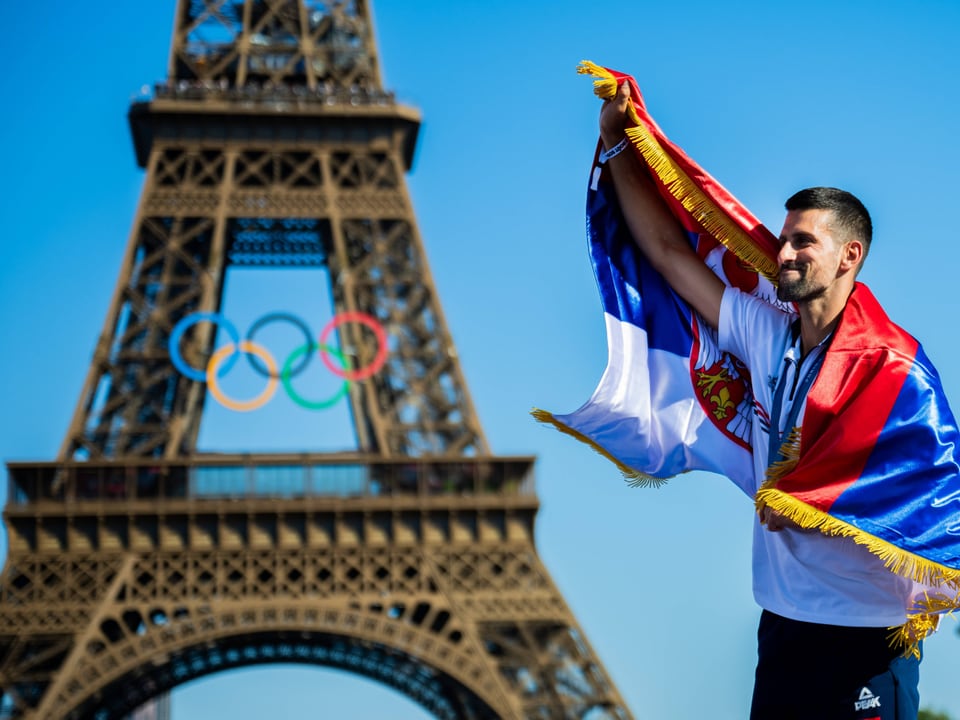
915, 447
630, 289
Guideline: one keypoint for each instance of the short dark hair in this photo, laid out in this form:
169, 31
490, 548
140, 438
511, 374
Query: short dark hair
849, 214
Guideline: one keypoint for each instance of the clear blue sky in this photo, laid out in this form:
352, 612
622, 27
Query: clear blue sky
861, 95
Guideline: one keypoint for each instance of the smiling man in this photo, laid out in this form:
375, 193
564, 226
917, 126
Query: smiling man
828, 602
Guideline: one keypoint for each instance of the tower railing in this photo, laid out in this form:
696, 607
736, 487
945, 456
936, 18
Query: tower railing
285, 476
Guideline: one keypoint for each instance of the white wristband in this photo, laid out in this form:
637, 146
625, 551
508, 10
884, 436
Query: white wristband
614, 151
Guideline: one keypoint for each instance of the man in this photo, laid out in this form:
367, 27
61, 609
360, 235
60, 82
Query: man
828, 602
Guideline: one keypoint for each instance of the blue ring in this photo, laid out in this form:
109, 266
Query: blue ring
293, 320
177, 335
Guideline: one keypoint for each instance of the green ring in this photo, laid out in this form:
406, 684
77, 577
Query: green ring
288, 384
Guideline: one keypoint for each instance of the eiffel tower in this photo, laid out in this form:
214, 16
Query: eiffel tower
137, 563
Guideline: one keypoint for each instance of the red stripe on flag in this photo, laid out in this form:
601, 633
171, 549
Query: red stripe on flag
850, 402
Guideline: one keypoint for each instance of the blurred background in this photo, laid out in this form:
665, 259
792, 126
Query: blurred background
860, 95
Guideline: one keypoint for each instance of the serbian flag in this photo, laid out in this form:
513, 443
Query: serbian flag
875, 458
669, 401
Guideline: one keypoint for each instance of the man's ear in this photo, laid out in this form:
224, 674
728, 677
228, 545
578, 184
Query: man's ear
851, 255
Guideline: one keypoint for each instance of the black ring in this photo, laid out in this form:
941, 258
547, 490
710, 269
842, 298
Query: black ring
274, 317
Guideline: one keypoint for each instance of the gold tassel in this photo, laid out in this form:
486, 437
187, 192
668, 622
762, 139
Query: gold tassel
790, 451
922, 624
634, 478
909, 635
605, 85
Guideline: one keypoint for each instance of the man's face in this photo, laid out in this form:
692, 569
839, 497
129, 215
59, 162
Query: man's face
809, 255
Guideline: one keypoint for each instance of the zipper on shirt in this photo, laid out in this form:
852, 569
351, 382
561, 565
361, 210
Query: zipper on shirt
796, 379
789, 360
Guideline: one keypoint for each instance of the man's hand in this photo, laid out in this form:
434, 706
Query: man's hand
613, 116
776, 522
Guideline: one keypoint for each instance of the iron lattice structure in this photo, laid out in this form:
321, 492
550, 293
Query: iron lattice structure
136, 563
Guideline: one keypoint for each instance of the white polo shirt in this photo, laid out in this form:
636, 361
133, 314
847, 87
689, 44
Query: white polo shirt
800, 574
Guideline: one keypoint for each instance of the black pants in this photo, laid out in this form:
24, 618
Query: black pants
807, 671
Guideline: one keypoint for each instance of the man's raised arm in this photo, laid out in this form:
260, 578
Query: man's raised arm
653, 227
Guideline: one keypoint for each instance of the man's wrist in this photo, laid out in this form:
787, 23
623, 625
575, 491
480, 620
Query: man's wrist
611, 151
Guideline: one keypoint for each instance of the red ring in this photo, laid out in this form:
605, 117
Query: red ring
379, 359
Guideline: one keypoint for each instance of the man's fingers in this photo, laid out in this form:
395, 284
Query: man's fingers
613, 119
771, 519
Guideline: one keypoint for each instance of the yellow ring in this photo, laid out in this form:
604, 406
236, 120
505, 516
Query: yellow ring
260, 400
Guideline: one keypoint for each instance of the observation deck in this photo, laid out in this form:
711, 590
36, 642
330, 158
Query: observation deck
209, 501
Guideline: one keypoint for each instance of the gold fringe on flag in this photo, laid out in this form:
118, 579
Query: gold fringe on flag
899, 561
634, 478
701, 208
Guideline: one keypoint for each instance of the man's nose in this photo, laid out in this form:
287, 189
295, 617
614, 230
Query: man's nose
786, 253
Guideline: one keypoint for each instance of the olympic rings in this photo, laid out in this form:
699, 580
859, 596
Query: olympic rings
224, 358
